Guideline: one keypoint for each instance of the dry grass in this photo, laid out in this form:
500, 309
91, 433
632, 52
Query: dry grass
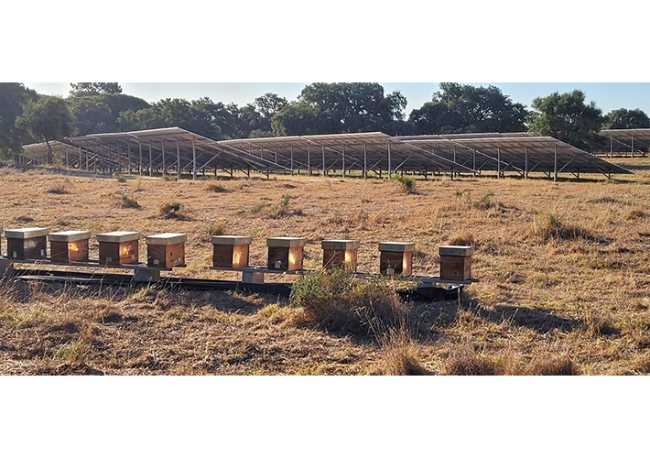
560, 294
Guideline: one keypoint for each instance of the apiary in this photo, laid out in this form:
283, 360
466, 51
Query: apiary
116, 248
456, 262
69, 246
166, 250
231, 251
396, 258
285, 253
339, 254
27, 243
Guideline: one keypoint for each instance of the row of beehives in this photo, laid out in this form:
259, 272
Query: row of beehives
285, 254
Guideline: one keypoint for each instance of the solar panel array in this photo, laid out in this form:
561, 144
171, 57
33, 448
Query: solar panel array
175, 149
624, 141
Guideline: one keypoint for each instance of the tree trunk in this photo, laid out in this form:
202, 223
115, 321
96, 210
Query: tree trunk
50, 155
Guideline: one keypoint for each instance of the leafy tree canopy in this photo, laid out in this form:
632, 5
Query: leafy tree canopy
459, 108
47, 118
568, 118
12, 98
82, 89
626, 119
353, 107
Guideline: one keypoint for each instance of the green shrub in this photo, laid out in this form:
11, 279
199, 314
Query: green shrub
129, 202
406, 183
169, 210
119, 178
338, 301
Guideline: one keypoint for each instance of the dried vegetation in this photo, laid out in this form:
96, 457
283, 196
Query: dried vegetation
564, 274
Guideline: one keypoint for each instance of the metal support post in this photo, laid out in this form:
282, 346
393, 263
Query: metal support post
140, 159
178, 161
291, 152
526, 164
150, 161
164, 168
390, 170
343, 160
555, 166
324, 170
498, 163
193, 159
308, 161
365, 162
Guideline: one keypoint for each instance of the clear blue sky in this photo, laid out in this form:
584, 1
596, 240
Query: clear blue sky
608, 96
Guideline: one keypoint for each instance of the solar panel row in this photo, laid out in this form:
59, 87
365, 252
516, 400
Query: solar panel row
175, 149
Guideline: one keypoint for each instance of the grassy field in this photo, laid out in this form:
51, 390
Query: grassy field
564, 274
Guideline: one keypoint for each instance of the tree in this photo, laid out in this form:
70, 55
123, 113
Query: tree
47, 118
568, 118
12, 98
91, 116
460, 108
269, 104
298, 118
82, 89
626, 119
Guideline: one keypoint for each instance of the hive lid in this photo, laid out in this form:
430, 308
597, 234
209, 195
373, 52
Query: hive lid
456, 250
68, 236
118, 237
400, 247
26, 232
166, 239
231, 240
285, 242
340, 244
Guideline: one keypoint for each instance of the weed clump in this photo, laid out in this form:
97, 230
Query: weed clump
551, 228
406, 183
170, 210
339, 302
119, 178
59, 188
129, 202
216, 188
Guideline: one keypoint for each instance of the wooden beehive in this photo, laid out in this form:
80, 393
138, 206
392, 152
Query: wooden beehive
69, 246
230, 251
285, 253
396, 258
117, 248
166, 250
27, 243
456, 262
340, 254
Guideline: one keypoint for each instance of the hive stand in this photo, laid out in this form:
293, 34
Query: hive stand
69, 246
396, 258
117, 248
166, 250
456, 262
285, 253
27, 243
340, 254
230, 251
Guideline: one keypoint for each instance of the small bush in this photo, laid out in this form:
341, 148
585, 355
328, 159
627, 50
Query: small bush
406, 183
551, 227
119, 178
170, 178
215, 230
170, 210
216, 188
129, 202
484, 203
258, 208
58, 189
469, 364
339, 302
281, 209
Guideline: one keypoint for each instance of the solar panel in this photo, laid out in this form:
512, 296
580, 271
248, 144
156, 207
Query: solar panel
626, 141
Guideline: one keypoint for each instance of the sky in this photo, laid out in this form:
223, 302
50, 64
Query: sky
608, 96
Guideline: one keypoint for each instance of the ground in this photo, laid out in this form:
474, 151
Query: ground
564, 273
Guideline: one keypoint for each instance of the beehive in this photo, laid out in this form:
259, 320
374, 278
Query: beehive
340, 254
230, 251
116, 248
69, 246
396, 258
456, 262
285, 253
27, 243
166, 250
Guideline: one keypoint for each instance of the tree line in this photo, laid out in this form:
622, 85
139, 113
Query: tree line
321, 108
